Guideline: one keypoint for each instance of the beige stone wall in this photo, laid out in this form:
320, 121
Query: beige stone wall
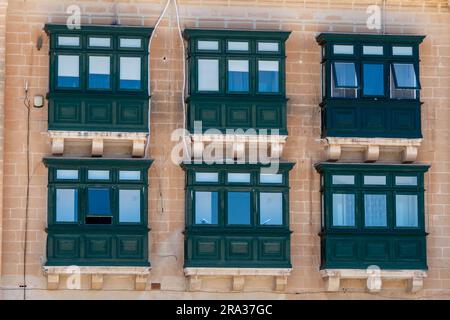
24, 23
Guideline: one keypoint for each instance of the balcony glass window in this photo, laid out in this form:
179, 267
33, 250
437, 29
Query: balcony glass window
208, 45
406, 209
66, 205
238, 75
271, 208
68, 41
268, 75
100, 42
99, 72
268, 46
130, 73
130, 43
375, 210
237, 45
373, 79
130, 206
208, 75
238, 204
206, 207
68, 71
343, 210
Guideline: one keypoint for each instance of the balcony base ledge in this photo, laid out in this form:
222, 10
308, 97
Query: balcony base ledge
96, 273
371, 147
374, 277
59, 139
238, 275
237, 144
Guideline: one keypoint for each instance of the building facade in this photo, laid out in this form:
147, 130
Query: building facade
349, 100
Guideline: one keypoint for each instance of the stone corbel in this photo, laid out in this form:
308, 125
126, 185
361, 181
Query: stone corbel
415, 283
194, 283
280, 283
97, 147
57, 146
372, 153
140, 282
333, 152
238, 283
332, 280
138, 149
97, 281
52, 281
409, 154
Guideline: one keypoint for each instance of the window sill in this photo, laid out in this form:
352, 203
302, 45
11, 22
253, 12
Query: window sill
371, 147
61, 139
237, 275
96, 275
374, 278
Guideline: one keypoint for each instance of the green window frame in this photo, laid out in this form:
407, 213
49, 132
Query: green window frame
233, 91
109, 91
388, 212
238, 213
109, 229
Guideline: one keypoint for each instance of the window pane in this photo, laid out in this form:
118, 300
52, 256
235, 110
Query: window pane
238, 45
406, 210
99, 202
68, 41
68, 71
345, 74
375, 180
98, 175
342, 49
343, 210
99, 70
206, 207
129, 206
238, 75
405, 75
373, 79
239, 177
402, 51
238, 208
343, 179
130, 73
349, 93
206, 177
66, 174
208, 45
130, 43
271, 178
268, 46
373, 50
406, 181
129, 175
99, 42
375, 210
271, 208
66, 205
208, 75
268, 75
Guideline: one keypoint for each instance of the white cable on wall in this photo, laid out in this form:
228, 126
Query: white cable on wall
149, 80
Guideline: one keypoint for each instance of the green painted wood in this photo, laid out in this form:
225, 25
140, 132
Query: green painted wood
225, 109
79, 243
224, 245
86, 109
369, 116
360, 246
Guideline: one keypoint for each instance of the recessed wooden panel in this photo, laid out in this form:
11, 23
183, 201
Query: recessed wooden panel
67, 111
130, 246
98, 246
206, 248
344, 250
408, 249
239, 248
272, 249
99, 113
268, 117
209, 115
130, 112
239, 116
66, 246
343, 118
403, 119
374, 119
377, 250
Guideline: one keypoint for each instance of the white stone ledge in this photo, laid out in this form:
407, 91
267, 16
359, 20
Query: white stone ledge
53, 273
374, 277
237, 275
98, 138
371, 147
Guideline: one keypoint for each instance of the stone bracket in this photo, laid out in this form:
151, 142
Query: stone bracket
371, 147
238, 277
137, 140
96, 275
374, 278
